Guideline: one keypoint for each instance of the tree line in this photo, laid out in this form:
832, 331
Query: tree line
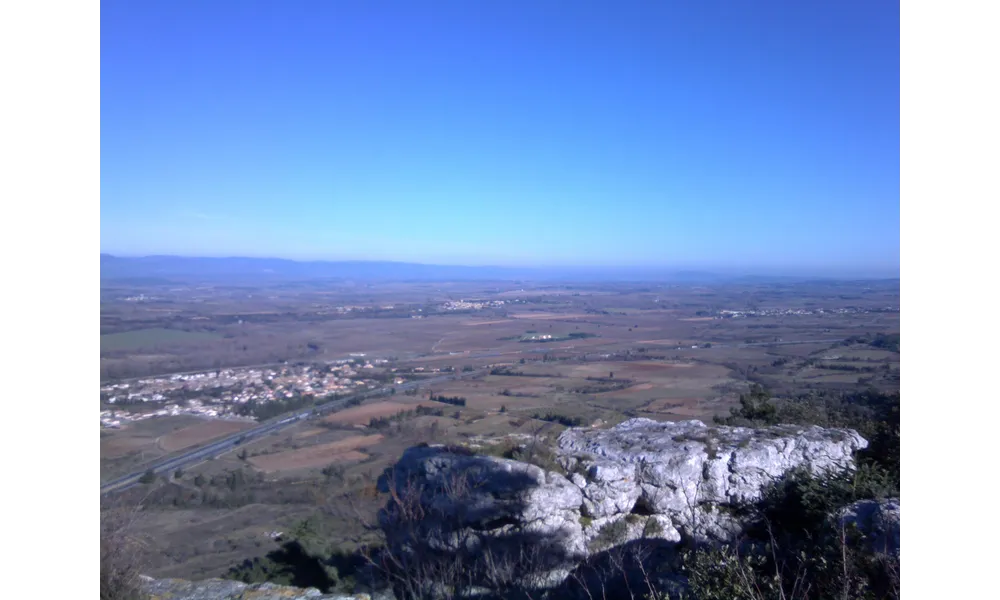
420, 411
453, 400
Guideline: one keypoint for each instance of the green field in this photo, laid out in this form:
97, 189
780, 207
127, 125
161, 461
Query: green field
147, 338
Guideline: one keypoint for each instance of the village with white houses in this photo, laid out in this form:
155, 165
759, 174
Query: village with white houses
226, 393
471, 305
775, 312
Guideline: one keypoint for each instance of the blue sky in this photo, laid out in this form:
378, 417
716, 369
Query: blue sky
758, 135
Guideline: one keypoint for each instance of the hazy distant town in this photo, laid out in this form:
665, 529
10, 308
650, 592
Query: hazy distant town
780, 312
227, 393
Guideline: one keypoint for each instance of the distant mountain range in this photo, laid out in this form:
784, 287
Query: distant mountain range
151, 269
186, 268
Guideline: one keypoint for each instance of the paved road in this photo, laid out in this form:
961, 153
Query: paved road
197, 455
226, 444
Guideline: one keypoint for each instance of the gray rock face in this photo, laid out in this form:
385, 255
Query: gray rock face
223, 589
876, 520
640, 479
686, 471
460, 505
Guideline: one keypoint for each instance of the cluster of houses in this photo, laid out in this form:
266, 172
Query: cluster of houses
216, 393
774, 312
534, 337
472, 304
114, 419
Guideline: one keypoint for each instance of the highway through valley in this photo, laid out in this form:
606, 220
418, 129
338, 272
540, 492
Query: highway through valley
226, 444
212, 449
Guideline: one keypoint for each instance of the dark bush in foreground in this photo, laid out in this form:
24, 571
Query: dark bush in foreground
121, 562
308, 557
794, 550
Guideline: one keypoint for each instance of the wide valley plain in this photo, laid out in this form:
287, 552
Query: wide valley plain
538, 358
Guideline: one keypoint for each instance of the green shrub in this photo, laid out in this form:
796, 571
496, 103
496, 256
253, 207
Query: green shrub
503, 449
538, 453
610, 534
711, 450
653, 528
721, 574
561, 419
795, 550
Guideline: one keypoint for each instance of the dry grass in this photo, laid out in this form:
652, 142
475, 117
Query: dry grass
117, 446
310, 433
121, 554
142, 435
200, 433
317, 456
362, 415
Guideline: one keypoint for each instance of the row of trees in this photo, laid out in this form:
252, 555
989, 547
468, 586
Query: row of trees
561, 419
885, 341
420, 411
507, 371
453, 400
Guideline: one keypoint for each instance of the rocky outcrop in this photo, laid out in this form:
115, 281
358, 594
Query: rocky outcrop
689, 474
459, 519
224, 589
877, 521
640, 479
458, 504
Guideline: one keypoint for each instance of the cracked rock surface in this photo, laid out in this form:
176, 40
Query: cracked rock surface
224, 589
660, 481
666, 480
687, 471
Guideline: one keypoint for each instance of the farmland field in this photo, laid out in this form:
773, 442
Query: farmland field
136, 443
623, 351
200, 433
150, 338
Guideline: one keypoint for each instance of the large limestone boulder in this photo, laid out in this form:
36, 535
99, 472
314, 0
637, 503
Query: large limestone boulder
224, 589
689, 472
461, 505
641, 479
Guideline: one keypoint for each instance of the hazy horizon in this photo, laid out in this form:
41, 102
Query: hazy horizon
592, 270
709, 136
